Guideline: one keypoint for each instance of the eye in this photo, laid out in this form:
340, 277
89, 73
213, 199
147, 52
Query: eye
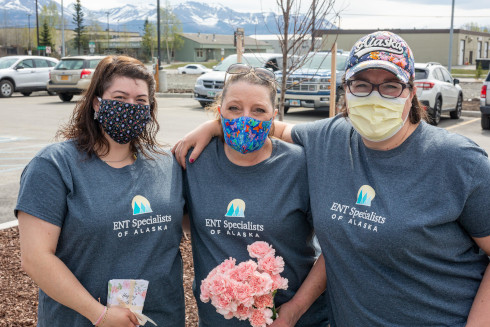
233, 108
260, 110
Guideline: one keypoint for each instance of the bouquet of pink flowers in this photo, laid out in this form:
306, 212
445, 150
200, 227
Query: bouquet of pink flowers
247, 290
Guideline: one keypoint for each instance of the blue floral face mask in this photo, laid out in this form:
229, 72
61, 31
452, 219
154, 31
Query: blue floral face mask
122, 121
245, 134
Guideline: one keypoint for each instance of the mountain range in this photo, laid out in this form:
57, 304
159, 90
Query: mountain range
194, 16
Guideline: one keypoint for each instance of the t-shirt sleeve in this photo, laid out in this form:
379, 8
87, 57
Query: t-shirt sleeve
42, 192
475, 217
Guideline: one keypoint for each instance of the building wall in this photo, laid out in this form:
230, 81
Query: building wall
427, 45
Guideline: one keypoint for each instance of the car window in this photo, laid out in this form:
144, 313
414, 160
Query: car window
41, 63
7, 62
324, 61
437, 74
51, 63
447, 76
92, 64
421, 73
191, 67
27, 63
70, 64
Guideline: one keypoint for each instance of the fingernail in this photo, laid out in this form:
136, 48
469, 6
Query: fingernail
191, 160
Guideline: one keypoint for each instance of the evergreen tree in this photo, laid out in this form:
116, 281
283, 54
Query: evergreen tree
148, 40
45, 36
79, 29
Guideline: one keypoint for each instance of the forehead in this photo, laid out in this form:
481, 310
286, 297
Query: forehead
376, 76
128, 85
244, 90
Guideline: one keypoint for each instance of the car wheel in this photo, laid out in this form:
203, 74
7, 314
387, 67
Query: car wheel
485, 121
65, 97
436, 115
51, 93
184, 73
26, 94
286, 109
456, 114
204, 104
6, 89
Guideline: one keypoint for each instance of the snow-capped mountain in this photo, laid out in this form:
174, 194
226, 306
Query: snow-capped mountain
194, 16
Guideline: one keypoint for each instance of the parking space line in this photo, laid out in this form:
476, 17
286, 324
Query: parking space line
462, 124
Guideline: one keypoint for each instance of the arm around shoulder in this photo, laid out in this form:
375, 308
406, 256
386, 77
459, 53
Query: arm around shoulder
481, 304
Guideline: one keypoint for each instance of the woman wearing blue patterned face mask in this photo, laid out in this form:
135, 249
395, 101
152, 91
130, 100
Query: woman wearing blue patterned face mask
231, 205
82, 204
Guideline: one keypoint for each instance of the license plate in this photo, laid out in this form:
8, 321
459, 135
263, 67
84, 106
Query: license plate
294, 103
211, 94
64, 77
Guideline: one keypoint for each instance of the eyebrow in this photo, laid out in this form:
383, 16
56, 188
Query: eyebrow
125, 93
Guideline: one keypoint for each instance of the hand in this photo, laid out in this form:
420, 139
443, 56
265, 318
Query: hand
288, 316
119, 317
199, 138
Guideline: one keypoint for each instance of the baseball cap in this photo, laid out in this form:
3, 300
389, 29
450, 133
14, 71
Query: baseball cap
381, 50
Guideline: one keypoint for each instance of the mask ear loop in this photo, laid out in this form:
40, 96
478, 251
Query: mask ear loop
96, 113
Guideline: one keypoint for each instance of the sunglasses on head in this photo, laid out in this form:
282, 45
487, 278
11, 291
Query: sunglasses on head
242, 69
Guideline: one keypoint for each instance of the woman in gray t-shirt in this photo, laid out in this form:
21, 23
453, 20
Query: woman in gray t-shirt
247, 187
105, 204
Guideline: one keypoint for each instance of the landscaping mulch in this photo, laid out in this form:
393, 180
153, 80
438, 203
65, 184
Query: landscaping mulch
18, 300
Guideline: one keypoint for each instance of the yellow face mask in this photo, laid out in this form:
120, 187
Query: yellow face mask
374, 117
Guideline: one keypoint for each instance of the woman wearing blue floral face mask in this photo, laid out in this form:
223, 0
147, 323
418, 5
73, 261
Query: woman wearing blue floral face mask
105, 204
400, 207
248, 187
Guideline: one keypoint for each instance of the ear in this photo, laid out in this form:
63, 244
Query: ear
275, 113
96, 104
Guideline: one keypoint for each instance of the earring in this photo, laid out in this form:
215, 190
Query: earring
96, 115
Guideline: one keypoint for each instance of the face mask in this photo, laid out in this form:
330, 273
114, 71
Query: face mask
374, 117
122, 121
245, 134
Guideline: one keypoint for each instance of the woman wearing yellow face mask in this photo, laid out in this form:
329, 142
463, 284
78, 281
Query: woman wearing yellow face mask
400, 207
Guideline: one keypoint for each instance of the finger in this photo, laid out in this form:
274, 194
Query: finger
196, 152
178, 157
133, 318
176, 145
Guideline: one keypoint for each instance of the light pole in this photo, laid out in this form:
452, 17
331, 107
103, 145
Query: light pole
451, 40
37, 29
107, 13
158, 33
62, 31
29, 33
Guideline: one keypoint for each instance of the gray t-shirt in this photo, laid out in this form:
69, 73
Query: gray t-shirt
232, 206
115, 224
395, 226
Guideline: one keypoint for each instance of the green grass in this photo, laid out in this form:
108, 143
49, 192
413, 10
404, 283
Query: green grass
208, 64
467, 73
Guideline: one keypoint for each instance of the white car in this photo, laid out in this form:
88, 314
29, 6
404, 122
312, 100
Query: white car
438, 91
24, 74
193, 69
485, 103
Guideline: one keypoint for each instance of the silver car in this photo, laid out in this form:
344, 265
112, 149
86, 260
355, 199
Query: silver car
72, 75
24, 74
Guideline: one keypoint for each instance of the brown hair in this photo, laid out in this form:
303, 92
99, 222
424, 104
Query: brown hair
87, 132
417, 111
250, 78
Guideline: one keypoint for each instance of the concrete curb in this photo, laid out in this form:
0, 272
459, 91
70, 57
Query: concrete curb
9, 224
470, 113
174, 95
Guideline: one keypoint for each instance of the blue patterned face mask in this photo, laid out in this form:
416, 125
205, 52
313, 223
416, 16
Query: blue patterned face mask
245, 134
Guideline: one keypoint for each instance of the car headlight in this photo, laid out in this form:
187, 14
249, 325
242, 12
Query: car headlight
199, 82
324, 87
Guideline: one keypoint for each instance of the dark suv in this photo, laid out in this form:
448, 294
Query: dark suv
72, 75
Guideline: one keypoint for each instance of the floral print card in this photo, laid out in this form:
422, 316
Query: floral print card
128, 293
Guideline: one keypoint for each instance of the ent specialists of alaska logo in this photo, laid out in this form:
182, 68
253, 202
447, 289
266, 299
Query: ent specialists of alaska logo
353, 215
232, 224
143, 222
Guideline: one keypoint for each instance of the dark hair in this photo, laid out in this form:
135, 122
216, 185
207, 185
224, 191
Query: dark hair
417, 111
250, 78
87, 132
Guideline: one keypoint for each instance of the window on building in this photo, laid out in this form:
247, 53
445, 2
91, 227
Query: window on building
199, 53
485, 50
478, 52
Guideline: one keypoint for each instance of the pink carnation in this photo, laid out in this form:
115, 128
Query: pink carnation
243, 312
279, 283
264, 301
260, 249
261, 318
261, 283
244, 270
272, 265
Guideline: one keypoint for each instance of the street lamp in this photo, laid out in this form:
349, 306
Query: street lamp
158, 33
62, 31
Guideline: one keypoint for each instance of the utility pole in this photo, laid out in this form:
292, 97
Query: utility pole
29, 34
313, 22
107, 13
37, 28
240, 40
451, 40
158, 34
62, 31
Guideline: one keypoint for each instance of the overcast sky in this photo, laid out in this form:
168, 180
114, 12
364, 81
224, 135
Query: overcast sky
362, 14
